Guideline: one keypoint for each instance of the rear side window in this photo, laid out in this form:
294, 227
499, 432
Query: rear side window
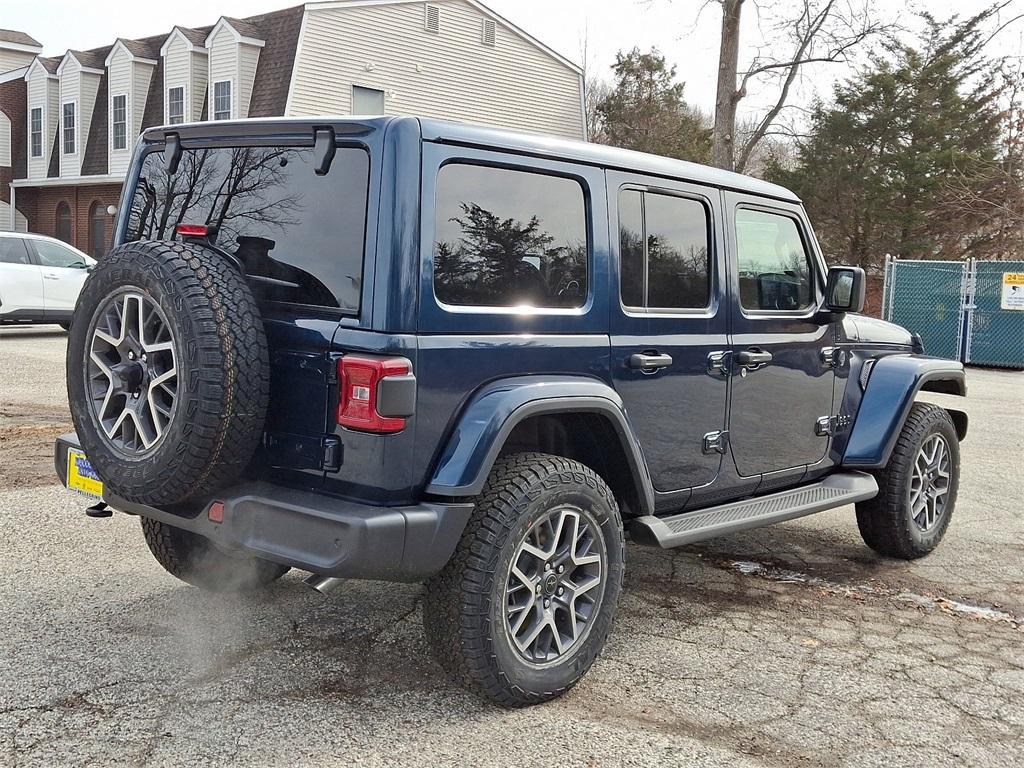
13, 251
774, 267
663, 251
300, 236
507, 238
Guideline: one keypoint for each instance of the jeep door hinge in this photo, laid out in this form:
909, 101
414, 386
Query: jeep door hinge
716, 442
823, 427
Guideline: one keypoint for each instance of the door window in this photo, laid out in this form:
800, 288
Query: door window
664, 246
97, 230
13, 251
774, 267
506, 238
54, 255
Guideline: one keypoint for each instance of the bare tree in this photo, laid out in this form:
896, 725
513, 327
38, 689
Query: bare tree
802, 32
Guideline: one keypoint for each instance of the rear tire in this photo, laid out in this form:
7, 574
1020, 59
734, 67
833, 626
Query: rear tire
917, 489
557, 522
185, 420
193, 559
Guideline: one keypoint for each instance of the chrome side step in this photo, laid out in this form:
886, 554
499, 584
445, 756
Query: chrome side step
689, 527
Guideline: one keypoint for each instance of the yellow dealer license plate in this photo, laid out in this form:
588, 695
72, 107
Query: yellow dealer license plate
82, 477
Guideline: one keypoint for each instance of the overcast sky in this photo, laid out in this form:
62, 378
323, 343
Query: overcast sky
688, 39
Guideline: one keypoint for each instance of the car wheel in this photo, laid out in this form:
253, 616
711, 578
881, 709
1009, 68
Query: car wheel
193, 559
917, 489
522, 610
168, 372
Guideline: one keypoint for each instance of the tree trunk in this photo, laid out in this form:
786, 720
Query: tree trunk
723, 148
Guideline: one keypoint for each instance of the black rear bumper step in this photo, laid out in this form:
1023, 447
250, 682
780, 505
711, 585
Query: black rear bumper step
690, 527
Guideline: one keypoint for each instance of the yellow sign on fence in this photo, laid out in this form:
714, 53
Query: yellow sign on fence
1013, 291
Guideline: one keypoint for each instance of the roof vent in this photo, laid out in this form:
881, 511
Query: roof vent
489, 32
432, 18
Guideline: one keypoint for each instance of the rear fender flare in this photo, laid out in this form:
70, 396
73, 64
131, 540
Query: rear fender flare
894, 382
493, 412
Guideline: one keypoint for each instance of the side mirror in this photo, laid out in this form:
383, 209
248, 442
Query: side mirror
844, 289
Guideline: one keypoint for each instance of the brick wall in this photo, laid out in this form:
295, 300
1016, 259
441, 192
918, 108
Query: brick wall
41, 209
13, 98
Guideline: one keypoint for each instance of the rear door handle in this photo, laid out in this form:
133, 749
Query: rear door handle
752, 358
650, 361
50, 276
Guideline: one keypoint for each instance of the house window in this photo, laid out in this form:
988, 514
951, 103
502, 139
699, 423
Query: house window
490, 32
97, 229
176, 105
432, 18
63, 222
367, 101
119, 121
36, 129
222, 100
663, 251
68, 121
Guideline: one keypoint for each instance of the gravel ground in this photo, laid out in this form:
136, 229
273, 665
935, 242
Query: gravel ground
789, 646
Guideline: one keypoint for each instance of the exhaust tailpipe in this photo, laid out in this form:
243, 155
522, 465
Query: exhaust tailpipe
323, 584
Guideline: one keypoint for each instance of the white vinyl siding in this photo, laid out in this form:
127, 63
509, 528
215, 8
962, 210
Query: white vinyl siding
80, 88
5, 140
248, 58
14, 60
142, 75
236, 62
514, 84
176, 105
222, 102
43, 94
129, 78
188, 70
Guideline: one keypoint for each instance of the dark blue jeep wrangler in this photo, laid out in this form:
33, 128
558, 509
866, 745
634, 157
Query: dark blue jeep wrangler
411, 350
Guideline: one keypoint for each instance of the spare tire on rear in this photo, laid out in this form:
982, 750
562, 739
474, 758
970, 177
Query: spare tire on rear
167, 369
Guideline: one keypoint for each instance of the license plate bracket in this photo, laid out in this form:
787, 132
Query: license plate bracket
82, 478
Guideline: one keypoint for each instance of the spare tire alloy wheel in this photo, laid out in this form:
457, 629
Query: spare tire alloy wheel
132, 373
555, 585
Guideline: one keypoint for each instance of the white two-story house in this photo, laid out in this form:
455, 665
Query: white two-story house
78, 115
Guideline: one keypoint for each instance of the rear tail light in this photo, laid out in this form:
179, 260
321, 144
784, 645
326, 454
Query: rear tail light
377, 393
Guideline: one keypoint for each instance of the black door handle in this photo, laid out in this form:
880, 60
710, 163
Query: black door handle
650, 361
752, 358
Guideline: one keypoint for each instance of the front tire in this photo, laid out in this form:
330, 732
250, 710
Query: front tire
193, 559
522, 610
917, 489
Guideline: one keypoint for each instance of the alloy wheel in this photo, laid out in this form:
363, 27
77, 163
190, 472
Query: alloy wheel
930, 483
132, 374
555, 586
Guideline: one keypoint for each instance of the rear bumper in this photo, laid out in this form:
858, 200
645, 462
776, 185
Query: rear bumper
312, 531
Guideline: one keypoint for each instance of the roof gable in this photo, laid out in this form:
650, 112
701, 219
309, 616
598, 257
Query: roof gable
88, 61
135, 50
194, 39
241, 31
46, 65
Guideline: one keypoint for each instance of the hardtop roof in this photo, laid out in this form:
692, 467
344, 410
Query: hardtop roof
444, 131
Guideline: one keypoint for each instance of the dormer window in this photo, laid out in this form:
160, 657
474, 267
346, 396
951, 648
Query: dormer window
68, 125
36, 130
176, 105
119, 122
222, 100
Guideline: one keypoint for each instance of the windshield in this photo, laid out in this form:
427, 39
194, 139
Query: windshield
300, 236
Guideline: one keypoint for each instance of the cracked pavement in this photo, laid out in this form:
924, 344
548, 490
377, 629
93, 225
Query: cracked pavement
788, 646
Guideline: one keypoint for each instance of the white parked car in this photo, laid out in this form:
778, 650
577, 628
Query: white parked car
40, 279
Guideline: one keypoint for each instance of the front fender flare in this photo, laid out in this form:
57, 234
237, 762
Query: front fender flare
494, 411
894, 382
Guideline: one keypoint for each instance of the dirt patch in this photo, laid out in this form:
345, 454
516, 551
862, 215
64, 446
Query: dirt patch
27, 433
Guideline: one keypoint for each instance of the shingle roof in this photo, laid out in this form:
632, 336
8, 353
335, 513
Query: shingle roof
154, 111
92, 59
50, 63
246, 27
18, 38
280, 31
95, 161
195, 35
146, 48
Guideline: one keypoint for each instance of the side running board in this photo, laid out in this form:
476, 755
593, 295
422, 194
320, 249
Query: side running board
688, 527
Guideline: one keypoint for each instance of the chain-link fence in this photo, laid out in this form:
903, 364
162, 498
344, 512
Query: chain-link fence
964, 310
